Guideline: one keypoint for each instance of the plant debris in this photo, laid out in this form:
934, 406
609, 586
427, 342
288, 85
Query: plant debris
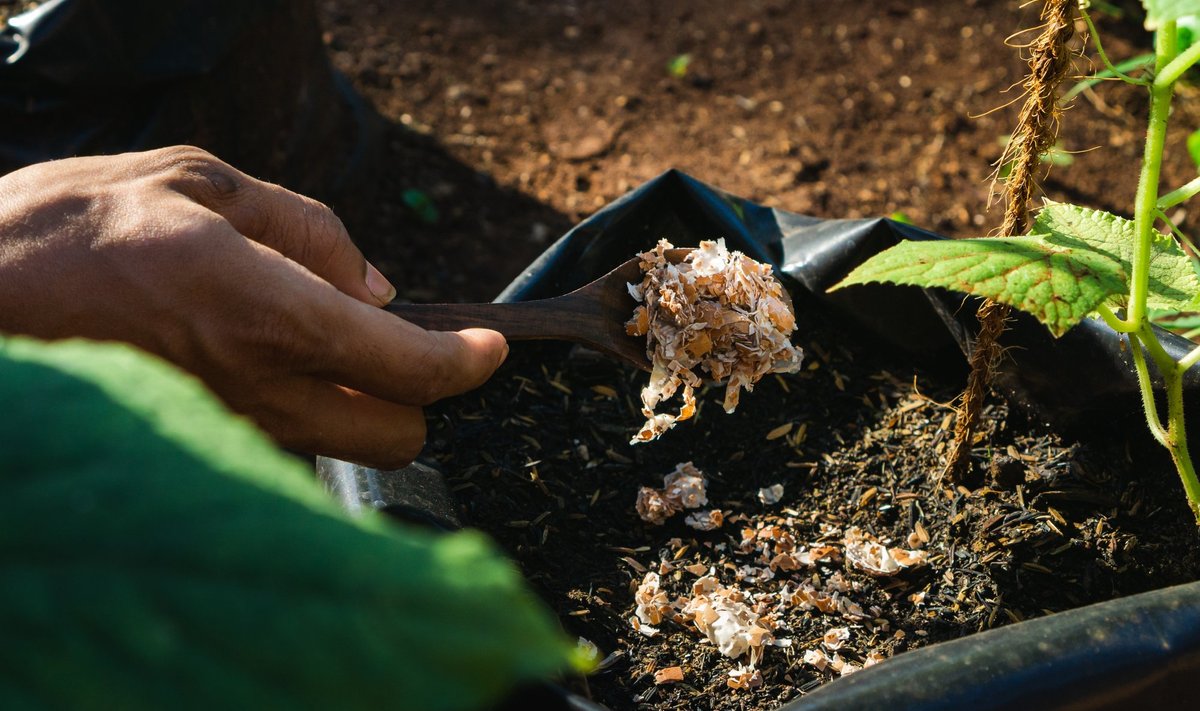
718, 312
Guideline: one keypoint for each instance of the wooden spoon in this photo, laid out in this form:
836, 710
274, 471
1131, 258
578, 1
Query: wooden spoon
594, 315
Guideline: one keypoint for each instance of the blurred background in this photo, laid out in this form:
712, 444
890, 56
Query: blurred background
459, 138
508, 121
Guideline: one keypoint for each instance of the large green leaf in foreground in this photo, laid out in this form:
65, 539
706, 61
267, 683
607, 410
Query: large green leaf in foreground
156, 552
1077, 259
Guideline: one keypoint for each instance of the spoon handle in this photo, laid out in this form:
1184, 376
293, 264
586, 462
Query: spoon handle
558, 318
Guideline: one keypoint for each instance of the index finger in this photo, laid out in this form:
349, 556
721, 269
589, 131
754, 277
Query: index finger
298, 227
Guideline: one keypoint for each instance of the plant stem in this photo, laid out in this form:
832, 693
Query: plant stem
1166, 76
1179, 194
1112, 320
1168, 68
1146, 201
1188, 360
1146, 385
1100, 51
1177, 438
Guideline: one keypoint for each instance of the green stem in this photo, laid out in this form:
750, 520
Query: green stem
1104, 57
1146, 385
1113, 322
1177, 441
1175, 437
1167, 76
1188, 361
1146, 201
1174, 228
1168, 68
1180, 194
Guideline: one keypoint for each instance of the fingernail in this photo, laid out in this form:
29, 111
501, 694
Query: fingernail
503, 355
380, 287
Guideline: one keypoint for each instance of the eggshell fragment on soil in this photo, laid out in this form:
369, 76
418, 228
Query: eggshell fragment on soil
683, 488
868, 554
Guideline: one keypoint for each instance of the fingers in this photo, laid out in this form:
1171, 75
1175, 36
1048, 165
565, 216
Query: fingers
296, 226
320, 417
308, 327
396, 360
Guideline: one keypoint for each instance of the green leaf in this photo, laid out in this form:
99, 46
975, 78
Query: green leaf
1058, 285
1078, 259
1160, 11
157, 551
1173, 284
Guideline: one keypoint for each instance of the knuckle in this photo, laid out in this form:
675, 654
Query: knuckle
324, 241
197, 174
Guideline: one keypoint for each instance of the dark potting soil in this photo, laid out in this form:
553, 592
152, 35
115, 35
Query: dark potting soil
540, 459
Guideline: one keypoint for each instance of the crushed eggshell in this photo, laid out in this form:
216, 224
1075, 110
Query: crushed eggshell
653, 507
686, 485
869, 555
642, 628
835, 637
668, 675
705, 520
722, 615
834, 663
717, 312
816, 658
744, 677
683, 488
652, 602
771, 494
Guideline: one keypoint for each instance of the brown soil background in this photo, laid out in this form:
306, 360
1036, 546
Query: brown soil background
518, 119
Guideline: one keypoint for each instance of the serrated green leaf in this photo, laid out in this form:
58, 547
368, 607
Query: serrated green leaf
1058, 285
1173, 284
1077, 259
156, 552
1160, 11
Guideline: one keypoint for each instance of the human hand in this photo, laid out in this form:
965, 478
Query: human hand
254, 289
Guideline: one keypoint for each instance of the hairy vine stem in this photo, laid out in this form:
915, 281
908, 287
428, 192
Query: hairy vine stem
1169, 66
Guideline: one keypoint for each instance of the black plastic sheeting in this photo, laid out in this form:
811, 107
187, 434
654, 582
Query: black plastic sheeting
1142, 650
1083, 378
1097, 657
